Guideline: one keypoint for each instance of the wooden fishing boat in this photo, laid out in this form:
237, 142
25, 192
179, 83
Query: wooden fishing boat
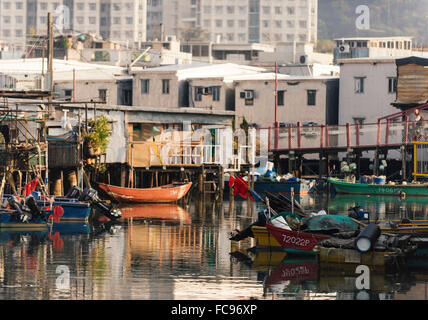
301, 187
8, 221
167, 193
74, 210
411, 189
295, 240
263, 238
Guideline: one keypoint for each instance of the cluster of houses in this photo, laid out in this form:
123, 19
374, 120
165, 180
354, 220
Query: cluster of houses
359, 88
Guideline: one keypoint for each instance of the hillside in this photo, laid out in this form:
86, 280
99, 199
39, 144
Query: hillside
336, 18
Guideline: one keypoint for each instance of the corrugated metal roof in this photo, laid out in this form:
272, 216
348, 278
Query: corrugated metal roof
193, 71
62, 69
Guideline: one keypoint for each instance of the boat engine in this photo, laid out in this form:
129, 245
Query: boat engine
108, 210
35, 210
74, 193
21, 215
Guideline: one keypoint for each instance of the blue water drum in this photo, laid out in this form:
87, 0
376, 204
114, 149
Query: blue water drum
363, 180
380, 180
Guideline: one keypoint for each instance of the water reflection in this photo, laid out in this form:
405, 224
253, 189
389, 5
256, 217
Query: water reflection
182, 251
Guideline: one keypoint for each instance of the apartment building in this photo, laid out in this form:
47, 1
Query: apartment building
119, 20
348, 48
13, 25
262, 21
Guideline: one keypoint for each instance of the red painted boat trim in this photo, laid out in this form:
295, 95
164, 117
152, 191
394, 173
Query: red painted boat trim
289, 239
167, 193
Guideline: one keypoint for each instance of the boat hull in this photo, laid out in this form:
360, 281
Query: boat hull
163, 194
7, 221
73, 211
377, 189
264, 239
299, 188
295, 240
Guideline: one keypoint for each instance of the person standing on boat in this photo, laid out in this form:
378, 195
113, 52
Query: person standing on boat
418, 125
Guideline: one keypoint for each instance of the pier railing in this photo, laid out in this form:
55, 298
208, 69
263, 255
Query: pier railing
386, 133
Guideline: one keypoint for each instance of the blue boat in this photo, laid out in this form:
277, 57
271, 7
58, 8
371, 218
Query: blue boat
9, 220
300, 187
74, 210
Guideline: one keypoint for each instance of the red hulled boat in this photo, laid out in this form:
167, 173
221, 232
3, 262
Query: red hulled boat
167, 193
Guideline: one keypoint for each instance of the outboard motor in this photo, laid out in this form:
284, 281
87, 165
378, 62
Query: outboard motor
74, 193
15, 205
108, 210
34, 207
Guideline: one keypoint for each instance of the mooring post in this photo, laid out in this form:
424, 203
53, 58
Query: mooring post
231, 196
221, 181
404, 163
376, 162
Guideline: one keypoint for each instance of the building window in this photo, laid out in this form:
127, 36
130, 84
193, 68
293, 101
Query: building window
392, 85
359, 121
68, 92
216, 93
145, 86
198, 93
359, 85
165, 86
312, 97
102, 95
280, 94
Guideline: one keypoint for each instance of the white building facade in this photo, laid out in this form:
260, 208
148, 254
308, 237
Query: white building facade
119, 20
367, 89
237, 21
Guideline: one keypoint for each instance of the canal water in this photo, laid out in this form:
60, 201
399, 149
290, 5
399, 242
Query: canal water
183, 252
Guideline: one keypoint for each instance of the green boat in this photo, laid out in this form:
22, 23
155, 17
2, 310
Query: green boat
410, 189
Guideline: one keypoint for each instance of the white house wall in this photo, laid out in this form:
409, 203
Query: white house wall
375, 102
295, 100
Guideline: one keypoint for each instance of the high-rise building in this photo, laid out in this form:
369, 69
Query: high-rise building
118, 20
235, 21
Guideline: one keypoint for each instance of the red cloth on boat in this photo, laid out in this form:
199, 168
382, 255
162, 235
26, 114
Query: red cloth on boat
241, 187
231, 181
30, 187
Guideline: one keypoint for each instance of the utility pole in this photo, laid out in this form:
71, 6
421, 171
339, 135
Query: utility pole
276, 107
50, 56
50, 88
